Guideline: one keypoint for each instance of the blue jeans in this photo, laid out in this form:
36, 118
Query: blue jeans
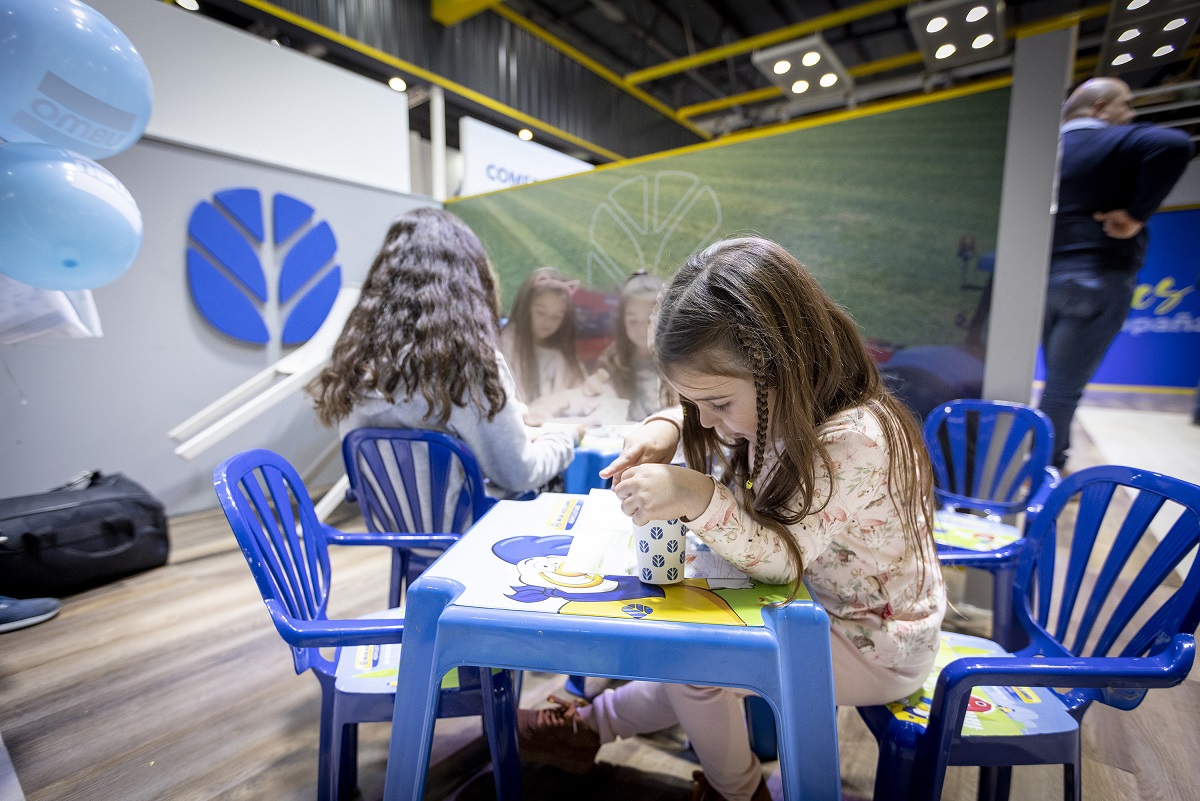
1084, 314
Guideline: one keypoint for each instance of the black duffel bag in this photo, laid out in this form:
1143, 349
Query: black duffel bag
92, 531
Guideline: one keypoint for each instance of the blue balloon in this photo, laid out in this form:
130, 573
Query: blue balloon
69, 77
65, 221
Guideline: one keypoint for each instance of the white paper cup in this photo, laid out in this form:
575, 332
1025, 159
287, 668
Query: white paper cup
659, 546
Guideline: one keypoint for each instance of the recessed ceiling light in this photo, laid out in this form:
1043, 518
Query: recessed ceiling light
810, 58
397, 83
1178, 22
977, 13
945, 51
190, 5
1162, 51
1129, 34
1134, 5
782, 67
982, 41
828, 80
1124, 58
800, 87
525, 134
936, 24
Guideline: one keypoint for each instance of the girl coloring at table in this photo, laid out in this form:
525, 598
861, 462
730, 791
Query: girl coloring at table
627, 365
419, 350
820, 476
539, 342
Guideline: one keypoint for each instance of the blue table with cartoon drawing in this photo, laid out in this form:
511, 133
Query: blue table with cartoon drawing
500, 597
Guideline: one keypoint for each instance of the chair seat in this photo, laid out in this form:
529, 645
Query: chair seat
971, 532
993, 711
372, 669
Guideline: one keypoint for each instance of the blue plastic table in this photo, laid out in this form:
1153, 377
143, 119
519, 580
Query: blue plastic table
495, 598
594, 453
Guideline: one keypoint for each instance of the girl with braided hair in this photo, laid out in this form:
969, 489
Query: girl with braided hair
818, 475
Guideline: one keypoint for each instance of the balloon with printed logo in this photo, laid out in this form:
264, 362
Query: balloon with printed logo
70, 78
65, 221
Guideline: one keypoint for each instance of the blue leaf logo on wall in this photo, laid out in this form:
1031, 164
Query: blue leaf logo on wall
233, 274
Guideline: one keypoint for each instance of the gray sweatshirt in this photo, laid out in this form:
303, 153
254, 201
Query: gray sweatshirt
512, 456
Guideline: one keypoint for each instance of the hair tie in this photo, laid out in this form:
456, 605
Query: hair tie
550, 281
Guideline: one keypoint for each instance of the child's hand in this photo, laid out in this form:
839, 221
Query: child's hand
663, 492
597, 383
653, 442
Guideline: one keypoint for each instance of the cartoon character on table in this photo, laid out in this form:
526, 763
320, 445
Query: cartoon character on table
539, 560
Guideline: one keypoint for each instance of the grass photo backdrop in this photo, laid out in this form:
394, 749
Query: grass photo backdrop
875, 207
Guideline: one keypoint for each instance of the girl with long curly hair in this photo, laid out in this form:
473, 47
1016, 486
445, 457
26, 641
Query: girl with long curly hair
420, 350
818, 474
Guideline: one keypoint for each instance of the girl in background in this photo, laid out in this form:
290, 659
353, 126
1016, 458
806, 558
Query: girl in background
419, 350
627, 364
821, 476
539, 342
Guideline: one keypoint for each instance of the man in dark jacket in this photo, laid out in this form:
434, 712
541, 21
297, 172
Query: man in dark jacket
1112, 176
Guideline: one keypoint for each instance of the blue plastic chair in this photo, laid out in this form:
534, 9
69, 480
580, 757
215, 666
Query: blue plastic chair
990, 458
286, 546
1110, 639
416, 482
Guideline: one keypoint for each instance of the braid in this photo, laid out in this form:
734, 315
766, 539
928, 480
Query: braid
758, 364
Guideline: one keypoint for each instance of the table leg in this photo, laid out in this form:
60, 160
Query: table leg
417, 689
805, 710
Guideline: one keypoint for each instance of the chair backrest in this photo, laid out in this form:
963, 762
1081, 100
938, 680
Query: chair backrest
276, 525
988, 455
411, 481
1135, 542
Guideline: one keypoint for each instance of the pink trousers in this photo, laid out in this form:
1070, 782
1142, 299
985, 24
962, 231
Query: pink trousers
713, 717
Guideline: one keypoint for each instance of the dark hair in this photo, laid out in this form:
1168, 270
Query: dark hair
747, 308
542, 281
426, 321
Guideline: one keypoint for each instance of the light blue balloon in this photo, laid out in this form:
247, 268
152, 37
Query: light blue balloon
65, 221
69, 77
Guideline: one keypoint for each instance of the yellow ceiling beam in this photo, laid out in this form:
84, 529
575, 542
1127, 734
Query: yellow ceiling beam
709, 106
831, 20
452, 12
429, 77
599, 69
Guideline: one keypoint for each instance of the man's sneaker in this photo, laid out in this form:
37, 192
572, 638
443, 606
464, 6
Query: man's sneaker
17, 613
556, 736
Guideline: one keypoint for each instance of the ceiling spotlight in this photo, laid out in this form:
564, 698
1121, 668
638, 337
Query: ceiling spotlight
945, 51
397, 83
190, 5
977, 13
1134, 5
1124, 58
936, 24
525, 134
1129, 34
1162, 51
982, 41
814, 69
1178, 22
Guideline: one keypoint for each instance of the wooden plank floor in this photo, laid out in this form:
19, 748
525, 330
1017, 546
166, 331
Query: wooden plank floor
174, 685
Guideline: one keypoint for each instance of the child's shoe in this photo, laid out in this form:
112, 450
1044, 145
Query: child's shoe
556, 736
703, 791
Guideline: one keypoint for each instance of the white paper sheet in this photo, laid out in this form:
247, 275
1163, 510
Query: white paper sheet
603, 544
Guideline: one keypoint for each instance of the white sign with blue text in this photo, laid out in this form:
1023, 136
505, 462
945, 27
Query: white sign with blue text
496, 159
